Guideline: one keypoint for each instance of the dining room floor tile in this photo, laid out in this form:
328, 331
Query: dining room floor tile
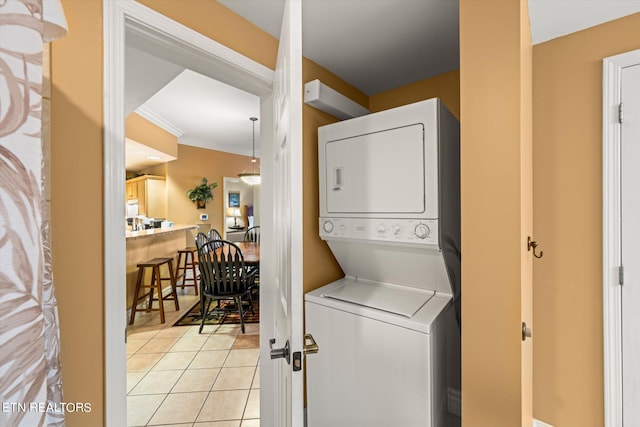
224, 405
179, 377
179, 408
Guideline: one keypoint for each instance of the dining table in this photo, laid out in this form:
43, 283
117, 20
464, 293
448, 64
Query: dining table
250, 251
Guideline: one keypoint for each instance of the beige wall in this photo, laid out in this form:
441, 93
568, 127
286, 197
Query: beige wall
319, 265
495, 99
221, 24
567, 78
76, 206
187, 171
444, 86
143, 131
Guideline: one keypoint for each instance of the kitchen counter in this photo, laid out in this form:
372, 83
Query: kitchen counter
131, 235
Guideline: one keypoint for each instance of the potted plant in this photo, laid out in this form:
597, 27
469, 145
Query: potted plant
202, 193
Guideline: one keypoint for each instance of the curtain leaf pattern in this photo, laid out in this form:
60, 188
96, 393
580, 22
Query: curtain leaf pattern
30, 381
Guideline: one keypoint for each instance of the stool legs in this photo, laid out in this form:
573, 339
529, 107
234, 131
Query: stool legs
158, 281
195, 274
136, 293
186, 261
174, 290
181, 265
154, 285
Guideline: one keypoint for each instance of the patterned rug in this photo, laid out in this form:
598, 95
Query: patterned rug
228, 315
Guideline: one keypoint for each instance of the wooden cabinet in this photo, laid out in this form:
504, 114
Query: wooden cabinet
132, 190
150, 190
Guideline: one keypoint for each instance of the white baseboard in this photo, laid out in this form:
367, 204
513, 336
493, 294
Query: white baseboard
454, 402
537, 423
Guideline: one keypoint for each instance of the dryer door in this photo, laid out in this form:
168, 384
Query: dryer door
377, 173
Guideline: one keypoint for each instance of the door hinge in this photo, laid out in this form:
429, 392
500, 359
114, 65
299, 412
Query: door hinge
621, 113
621, 275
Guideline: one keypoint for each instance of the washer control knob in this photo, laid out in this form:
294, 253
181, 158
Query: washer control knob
422, 231
381, 228
327, 226
395, 229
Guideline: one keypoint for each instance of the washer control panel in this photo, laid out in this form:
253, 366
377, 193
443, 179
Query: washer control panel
390, 230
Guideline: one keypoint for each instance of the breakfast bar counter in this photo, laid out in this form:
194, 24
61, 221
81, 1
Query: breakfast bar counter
155, 243
158, 231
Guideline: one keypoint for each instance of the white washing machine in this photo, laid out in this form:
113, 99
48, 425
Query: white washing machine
387, 332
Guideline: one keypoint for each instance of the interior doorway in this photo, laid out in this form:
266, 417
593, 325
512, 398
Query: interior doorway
241, 208
621, 238
163, 36
630, 153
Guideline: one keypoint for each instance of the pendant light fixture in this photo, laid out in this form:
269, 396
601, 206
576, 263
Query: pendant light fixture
252, 177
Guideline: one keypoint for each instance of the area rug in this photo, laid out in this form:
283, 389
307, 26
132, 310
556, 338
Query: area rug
227, 315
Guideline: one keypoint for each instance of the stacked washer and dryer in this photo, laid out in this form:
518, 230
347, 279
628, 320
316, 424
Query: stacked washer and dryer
388, 332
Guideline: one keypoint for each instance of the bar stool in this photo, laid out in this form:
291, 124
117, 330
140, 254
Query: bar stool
187, 261
155, 284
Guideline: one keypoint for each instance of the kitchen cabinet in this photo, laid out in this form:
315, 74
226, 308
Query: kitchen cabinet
150, 191
132, 190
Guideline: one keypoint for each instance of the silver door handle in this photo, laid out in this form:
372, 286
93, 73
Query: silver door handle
310, 345
277, 353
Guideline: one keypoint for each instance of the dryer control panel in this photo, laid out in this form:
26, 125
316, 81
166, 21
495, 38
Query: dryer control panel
423, 232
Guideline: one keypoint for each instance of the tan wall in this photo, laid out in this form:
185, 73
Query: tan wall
187, 171
568, 387
444, 86
143, 131
76, 206
222, 25
495, 189
319, 265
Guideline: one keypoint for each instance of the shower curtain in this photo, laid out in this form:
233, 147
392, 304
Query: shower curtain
30, 381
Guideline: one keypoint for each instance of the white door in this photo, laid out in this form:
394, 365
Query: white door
630, 238
285, 374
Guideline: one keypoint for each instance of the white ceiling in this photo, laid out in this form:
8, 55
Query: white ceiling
375, 45
556, 18
210, 113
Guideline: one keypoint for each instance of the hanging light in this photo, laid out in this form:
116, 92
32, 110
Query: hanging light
253, 177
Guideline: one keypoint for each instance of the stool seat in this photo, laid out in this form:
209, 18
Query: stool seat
154, 262
187, 261
154, 285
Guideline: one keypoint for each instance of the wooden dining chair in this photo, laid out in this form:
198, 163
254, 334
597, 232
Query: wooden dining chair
201, 239
213, 234
224, 276
252, 234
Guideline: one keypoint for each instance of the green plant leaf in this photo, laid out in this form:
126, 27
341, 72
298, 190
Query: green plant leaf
203, 192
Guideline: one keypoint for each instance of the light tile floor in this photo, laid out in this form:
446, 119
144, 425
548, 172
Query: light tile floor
178, 377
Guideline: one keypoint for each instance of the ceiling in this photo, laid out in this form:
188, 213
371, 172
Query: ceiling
373, 45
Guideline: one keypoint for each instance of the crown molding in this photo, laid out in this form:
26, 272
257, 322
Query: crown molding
160, 121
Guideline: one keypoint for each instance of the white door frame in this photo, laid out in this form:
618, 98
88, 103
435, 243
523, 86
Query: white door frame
611, 229
227, 66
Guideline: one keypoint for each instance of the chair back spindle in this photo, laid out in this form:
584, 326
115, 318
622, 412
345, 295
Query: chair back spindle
252, 234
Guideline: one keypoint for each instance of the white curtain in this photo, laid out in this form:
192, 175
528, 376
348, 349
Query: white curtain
30, 381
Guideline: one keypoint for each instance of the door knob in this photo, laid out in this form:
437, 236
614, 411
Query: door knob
526, 331
277, 353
